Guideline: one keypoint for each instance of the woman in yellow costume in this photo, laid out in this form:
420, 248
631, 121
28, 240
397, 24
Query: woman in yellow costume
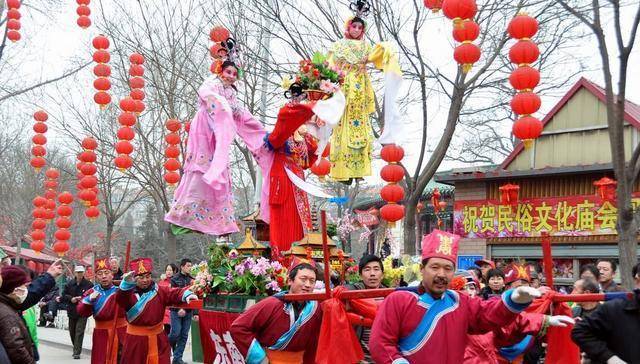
352, 139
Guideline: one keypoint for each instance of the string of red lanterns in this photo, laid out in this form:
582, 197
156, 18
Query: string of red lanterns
13, 20
172, 152
392, 193
39, 140
433, 5
136, 82
525, 78
63, 222
88, 183
51, 187
323, 167
102, 71
127, 120
465, 29
83, 12
38, 225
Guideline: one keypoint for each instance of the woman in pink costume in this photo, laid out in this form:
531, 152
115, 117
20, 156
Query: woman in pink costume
203, 201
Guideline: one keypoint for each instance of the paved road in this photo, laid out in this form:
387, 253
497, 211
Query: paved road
57, 354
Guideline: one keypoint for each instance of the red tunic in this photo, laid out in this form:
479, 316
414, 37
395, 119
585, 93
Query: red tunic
402, 311
136, 349
267, 321
167, 317
103, 310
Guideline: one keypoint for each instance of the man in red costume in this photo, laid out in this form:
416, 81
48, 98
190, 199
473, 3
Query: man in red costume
145, 302
432, 325
100, 301
282, 332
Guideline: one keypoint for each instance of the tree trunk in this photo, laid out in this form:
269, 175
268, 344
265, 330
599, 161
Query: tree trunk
409, 230
107, 238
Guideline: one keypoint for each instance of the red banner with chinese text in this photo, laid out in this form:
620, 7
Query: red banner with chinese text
559, 216
217, 345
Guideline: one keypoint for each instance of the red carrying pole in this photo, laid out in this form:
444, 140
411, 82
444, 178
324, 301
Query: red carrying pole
547, 259
127, 256
325, 251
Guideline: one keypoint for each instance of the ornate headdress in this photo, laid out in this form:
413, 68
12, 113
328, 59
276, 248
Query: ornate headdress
224, 50
361, 9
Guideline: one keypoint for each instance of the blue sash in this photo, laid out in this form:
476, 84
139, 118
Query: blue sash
436, 309
103, 298
137, 309
512, 352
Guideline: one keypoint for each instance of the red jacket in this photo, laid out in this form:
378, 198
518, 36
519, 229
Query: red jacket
166, 283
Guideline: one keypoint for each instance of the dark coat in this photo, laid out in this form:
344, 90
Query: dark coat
14, 335
38, 288
612, 329
181, 280
74, 289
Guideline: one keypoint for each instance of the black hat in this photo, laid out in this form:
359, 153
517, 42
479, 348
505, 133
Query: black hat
368, 259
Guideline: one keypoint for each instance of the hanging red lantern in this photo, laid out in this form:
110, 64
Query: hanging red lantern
89, 143
321, 169
38, 235
525, 103
41, 116
136, 82
38, 224
392, 173
433, 5
63, 222
100, 42
173, 125
524, 78
392, 153
458, 10
136, 70
39, 139
38, 151
86, 195
52, 173
172, 177
172, 138
219, 34
40, 128
137, 95
466, 54
89, 182
88, 156
13, 18
392, 193
123, 162
125, 133
88, 169
171, 164
172, 151
524, 52
13, 35
62, 234
92, 213
102, 98
39, 201
38, 213
468, 31
606, 189
128, 104
435, 199
65, 198
13, 14
127, 119
13, 4
102, 84
61, 247
392, 212
509, 194
136, 58
83, 10
527, 129
13, 24
102, 70
37, 246
124, 147
37, 163
522, 26
83, 22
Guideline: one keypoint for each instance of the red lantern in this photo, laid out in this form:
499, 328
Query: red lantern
41, 115
524, 78
172, 151
137, 94
123, 161
88, 156
37, 246
102, 70
50, 184
13, 14
40, 128
83, 2
136, 82
458, 10
86, 195
88, 182
509, 194
136, 70
94, 203
38, 235
219, 34
435, 199
527, 129
172, 178
13, 35
52, 173
38, 213
50, 204
92, 213
65, 198
136, 58
39, 139
13, 4
125, 133
392, 153
39, 201
392, 173
434, 5
173, 125
102, 84
50, 194
89, 143
321, 169
522, 26
392, 193
128, 104
61, 247
88, 169
13, 24
468, 31
38, 224
392, 212
525, 103
124, 147
127, 119
466, 54
83, 10
100, 42
606, 189
172, 138
171, 164
38, 151
139, 106
102, 98
63, 222
62, 234
524, 52
84, 22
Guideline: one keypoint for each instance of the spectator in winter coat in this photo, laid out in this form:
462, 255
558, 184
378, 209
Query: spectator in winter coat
585, 286
14, 335
72, 294
610, 334
165, 280
607, 268
495, 284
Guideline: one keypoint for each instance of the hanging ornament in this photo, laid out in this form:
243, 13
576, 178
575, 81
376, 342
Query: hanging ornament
392, 193
509, 194
459, 10
136, 83
102, 71
127, 119
87, 168
606, 189
51, 186
172, 152
39, 140
62, 234
433, 5
465, 31
83, 12
13, 20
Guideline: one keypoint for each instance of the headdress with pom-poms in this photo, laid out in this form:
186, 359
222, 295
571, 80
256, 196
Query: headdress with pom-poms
224, 49
361, 9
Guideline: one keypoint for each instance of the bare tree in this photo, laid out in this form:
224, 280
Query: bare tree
593, 14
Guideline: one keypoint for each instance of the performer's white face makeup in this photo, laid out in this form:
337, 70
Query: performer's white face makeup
436, 275
104, 277
229, 75
355, 30
303, 282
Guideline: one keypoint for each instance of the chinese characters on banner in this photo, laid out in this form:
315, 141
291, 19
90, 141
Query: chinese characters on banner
217, 344
568, 216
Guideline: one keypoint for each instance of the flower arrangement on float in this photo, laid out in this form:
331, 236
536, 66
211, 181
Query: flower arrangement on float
318, 78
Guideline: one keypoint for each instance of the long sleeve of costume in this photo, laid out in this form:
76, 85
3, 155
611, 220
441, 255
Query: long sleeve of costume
244, 328
590, 333
491, 314
175, 295
85, 308
126, 298
290, 118
534, 324
385, 333
38, 288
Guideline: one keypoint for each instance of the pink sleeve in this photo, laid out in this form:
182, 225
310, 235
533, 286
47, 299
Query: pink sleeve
385, 332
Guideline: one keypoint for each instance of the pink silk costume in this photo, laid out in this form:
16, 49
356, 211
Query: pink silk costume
203, 200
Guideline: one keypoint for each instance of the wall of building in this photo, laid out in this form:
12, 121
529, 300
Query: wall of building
472, 190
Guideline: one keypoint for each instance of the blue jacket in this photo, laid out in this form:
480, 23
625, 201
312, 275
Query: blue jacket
38, 288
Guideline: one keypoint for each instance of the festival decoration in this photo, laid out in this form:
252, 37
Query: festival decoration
317, 78
13, 20
459, 10
606, 189
136, 82
321, 169
127, 120
392, 193
509, 194
525, 78
50, 185
87, 183
102, 71
83, 12
465, 31
433, 5
62, 234
39, 140
223, 48
172, 152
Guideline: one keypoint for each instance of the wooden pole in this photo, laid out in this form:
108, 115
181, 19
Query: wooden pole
325, 251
